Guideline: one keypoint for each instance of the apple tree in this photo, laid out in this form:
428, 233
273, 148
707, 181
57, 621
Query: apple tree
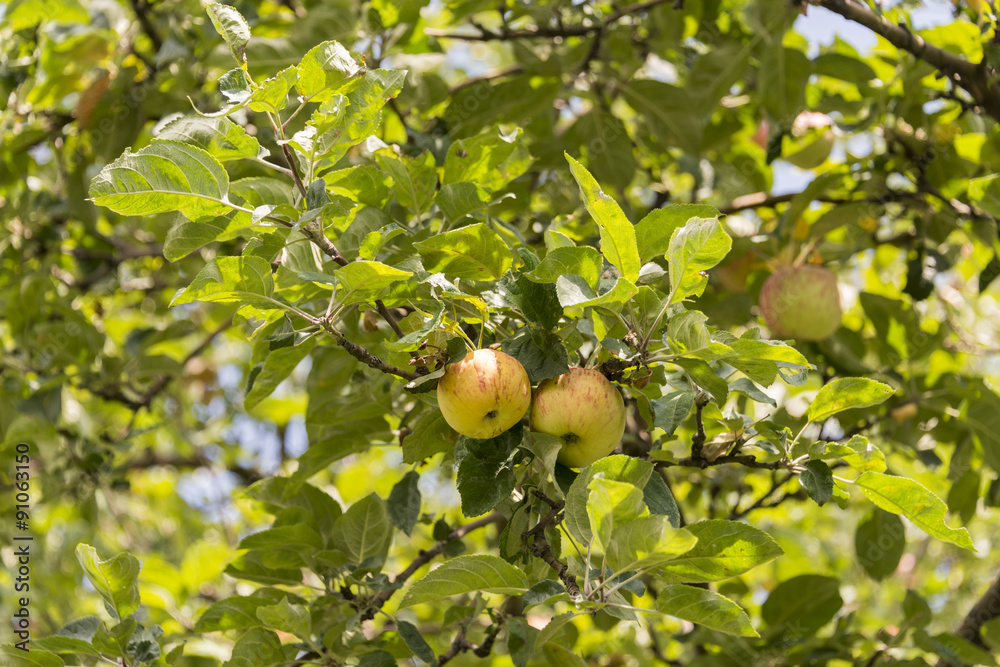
249, 250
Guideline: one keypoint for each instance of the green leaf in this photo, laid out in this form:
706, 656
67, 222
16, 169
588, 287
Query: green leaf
671, 410
618, 468
490, 159
57, 644
296, 537
278, 365
725, 549
705, 377
143, 645
363, 281
653, 232
255, 647
542, 354
603, 139
845, 394
817, 480
279, 493
879, 543
556, 654
582, 261
617, 234
233, 612
115, 579
232, 26
660, 500
802, 605
221, 137
338, 128
431, 435
287, 617
414, 178
474, 252
914, 501
644, 542
272, 94
952, 649
467, 574
857, 453
609, 504
696, 247
404, 502
573, 291
230, 280
415, 641
325, 69
364, 183
364, 531
33, 658
666, 110
485, 474
706, 608
916, 611
164, 176
751, 391
458, 200
21, 14
520, 641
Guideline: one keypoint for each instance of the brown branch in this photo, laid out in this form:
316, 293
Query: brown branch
424, 557
764, 200
505, 34
159, 384
330, 250
198, 460
294, 167
364, 356
461, 644
540, 548
986, 609
698, 440
762, 502
972, 77
746, 460
141, 9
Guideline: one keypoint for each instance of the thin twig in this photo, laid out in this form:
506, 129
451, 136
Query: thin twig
424, 557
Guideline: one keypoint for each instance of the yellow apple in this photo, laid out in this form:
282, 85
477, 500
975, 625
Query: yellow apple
801, 302
484, 394
582, 409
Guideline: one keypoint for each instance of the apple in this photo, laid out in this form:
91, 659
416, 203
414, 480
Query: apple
484, 394
582, 409
801, 302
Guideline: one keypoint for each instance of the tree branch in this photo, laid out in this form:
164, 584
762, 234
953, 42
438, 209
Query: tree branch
461, 644
972, 77
540, 548
141, 9
505, 34
746, 460
198, 460
364, 356
423, 558
160, 383
986, 609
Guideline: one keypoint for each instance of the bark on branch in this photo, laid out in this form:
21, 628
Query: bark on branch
538, 546
974, 78
424, 557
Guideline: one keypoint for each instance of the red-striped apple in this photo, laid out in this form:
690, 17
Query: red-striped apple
484, 394
582, 409
801, 302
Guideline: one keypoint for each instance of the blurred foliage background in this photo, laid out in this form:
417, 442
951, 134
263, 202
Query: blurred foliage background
867, 151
